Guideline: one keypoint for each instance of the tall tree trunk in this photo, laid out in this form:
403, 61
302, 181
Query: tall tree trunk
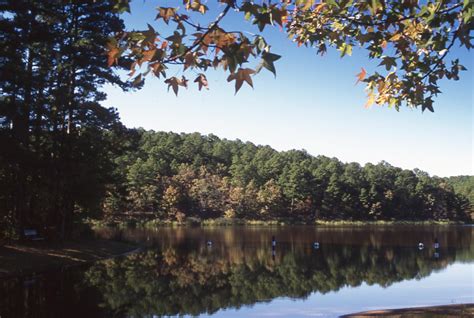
21, 135
68, 172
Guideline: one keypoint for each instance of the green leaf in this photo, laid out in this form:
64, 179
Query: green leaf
122, 6
267, 62
346, 49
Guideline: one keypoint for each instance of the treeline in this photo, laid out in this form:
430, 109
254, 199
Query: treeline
178, 176
463, 185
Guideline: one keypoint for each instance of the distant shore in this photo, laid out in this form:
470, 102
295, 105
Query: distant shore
192, 221
17, 259
461, 310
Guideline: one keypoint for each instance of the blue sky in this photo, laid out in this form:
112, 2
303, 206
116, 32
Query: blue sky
312, 104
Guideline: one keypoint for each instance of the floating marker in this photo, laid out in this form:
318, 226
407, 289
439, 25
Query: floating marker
436, 243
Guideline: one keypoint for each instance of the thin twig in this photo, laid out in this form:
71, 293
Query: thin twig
213, 26
435, 67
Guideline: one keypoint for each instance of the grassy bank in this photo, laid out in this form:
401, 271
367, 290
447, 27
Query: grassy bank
18, 259
383, 222
192, 221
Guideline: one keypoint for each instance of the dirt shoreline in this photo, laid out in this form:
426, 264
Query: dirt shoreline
21, 259
461, 310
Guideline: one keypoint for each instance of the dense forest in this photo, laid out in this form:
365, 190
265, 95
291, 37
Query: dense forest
463, 185
65, 156
53, 129
177, 176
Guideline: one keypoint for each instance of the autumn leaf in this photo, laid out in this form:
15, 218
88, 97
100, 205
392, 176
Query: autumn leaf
220, 38
202, 81
370, 100
320, 7
242, 74
189, 60
137, 80
183, 82
197, 6
147, 56
158, 69
150, 35
395, 37
166, 14
279, 16
112, 54
361, 75
133, 69
175, 82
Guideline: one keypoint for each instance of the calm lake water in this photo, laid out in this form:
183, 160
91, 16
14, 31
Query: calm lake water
240, 275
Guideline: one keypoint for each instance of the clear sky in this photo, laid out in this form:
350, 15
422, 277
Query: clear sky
312, 104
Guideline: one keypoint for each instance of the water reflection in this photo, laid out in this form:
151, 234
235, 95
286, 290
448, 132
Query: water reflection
180, 273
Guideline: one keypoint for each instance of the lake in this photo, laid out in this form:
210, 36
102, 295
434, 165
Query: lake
238, 272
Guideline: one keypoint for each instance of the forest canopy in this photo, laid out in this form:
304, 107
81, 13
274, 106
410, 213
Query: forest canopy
177, 176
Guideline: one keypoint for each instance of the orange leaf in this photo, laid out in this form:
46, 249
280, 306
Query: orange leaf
361, 75
320, 7
370, 100
112, 55
166, 14
148, 55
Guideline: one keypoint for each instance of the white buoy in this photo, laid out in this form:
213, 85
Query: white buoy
421, 246
316, 245
209, 243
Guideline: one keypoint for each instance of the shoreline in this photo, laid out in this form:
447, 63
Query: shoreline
243, 222
21, 259
458, 310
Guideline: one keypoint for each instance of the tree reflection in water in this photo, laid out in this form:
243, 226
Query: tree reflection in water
180, 274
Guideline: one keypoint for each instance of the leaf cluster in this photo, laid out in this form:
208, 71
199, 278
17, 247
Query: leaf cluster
409, 39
